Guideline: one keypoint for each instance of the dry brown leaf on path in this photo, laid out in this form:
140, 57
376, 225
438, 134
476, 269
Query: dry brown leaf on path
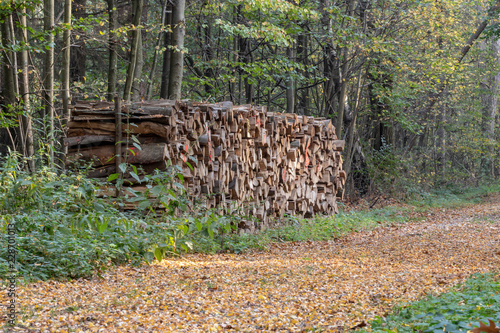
294, 287
486, 329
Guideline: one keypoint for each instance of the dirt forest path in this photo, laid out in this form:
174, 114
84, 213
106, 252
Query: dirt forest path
295, 287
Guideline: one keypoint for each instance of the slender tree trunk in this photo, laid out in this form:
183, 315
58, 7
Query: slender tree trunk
342, 100
344, 79
177, 57
352, 127
331, 69
208, 55
9, 88
113, 56
13, 38
134, 50
137, 84
441, 141
149, 88
245, 56
167, 54
48, 82
290, 84
302, 54
65, 66
491, 89
26, 118
9, 71
78, 60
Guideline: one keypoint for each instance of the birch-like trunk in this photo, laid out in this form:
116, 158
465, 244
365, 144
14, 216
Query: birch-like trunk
25, 96
177, 56
65, 66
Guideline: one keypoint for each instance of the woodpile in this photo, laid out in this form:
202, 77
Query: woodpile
275, 163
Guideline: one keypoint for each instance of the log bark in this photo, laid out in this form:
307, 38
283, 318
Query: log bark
105, 155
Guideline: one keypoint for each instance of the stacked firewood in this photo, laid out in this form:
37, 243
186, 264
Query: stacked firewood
275, 163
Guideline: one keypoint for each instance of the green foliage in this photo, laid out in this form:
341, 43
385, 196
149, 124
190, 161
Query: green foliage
459, 310
63, 230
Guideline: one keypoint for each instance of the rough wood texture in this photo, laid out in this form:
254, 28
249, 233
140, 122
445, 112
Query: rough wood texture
275, 163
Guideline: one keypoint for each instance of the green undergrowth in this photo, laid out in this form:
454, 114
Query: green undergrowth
61, 228
319, 228
460, 310
454, 196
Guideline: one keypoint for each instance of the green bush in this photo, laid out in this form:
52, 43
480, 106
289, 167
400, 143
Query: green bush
63, 230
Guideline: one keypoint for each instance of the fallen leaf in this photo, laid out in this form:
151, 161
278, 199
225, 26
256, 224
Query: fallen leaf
487, 329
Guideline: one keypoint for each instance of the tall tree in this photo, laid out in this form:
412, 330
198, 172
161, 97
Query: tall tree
167, 53
48, 82
136, 84
112, 45
149, 88
66, 63
177, 56
9, 90
136, 21
27, 125
79, 45
490, 90
290, 86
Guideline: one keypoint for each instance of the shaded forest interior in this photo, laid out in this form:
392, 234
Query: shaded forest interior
411, 86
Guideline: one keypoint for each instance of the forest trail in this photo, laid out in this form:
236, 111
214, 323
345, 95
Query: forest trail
294, 287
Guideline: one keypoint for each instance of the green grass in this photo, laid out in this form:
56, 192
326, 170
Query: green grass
319, 228
454, 196
322, 228
459, 310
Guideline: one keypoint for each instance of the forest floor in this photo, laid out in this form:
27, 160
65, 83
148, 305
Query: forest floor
327, 286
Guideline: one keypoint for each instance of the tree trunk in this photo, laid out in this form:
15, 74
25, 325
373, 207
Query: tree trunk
441, 141
302, 54
167, 54
208, 55
177, 57
9, 74
344, 80
25, 96
65, 65
113, 56
352, 127
137, 84
48, 82
149, 88
490, 89
331, 69
9, 88
290, 84
134, 49
78, 56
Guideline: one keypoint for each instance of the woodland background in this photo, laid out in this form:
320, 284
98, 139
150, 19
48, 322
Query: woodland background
412, 86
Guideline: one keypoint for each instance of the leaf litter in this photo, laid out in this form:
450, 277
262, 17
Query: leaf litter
329, 286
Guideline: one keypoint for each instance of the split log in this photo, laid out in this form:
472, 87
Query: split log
277, 163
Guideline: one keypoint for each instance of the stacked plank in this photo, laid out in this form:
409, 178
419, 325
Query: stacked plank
275, 163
